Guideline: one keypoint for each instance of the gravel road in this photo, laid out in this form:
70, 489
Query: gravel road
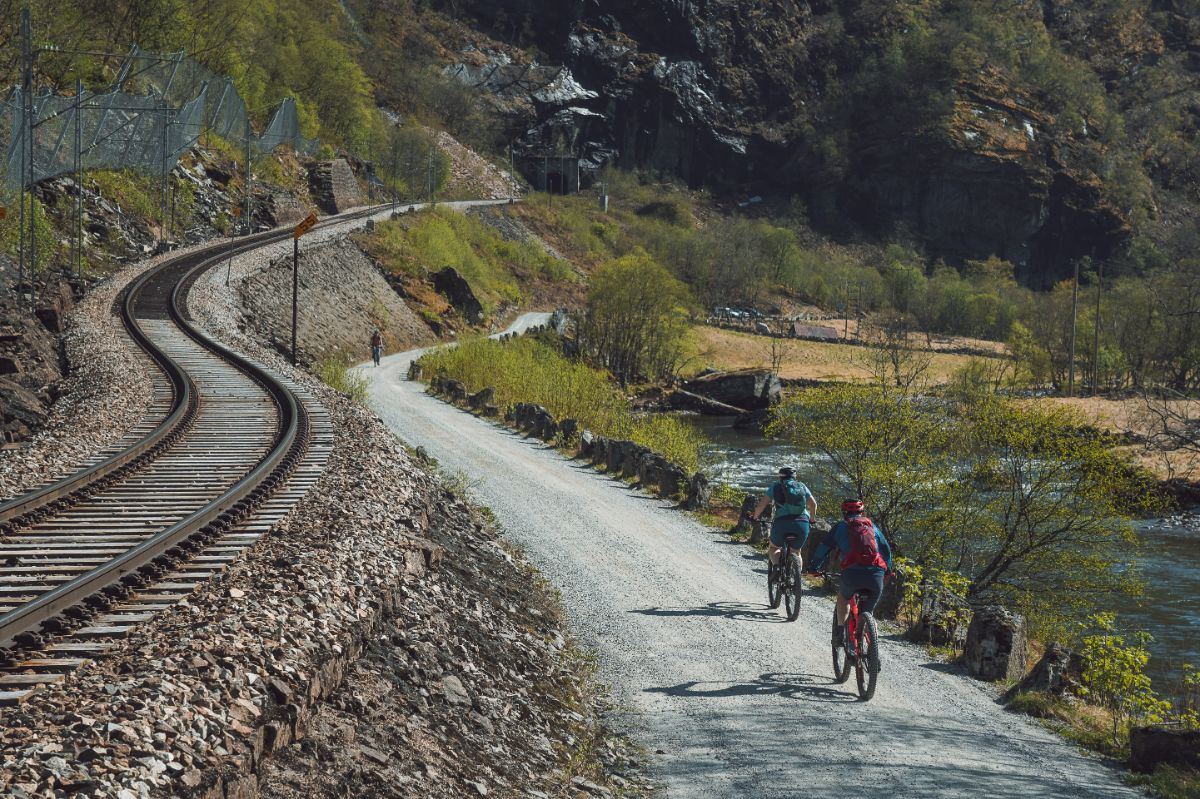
735, 701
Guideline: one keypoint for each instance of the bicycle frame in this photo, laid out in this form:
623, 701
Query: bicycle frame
852, 626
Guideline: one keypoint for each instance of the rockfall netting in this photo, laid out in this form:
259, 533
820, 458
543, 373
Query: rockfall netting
157, 108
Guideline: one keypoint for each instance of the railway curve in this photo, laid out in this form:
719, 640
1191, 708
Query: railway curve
87, 556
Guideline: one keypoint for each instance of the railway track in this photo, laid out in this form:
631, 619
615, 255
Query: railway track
224, 452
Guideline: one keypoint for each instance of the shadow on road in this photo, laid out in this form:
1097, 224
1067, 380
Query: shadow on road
734, 611
789, 686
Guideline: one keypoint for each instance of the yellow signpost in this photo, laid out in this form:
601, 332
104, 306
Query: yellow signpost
305, 226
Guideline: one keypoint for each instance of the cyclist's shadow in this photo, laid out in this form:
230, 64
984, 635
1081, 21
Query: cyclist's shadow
736, 611
808, 687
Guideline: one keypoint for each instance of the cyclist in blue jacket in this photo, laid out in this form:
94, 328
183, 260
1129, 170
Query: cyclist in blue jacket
866, 558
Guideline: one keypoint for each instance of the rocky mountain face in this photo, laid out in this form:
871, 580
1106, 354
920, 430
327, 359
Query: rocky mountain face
889, 119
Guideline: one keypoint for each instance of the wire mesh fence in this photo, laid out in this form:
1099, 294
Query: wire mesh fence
157, 109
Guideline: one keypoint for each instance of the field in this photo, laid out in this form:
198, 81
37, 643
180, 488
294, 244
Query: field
808, 360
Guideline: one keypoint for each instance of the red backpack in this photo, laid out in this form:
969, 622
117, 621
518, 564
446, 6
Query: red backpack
864, 551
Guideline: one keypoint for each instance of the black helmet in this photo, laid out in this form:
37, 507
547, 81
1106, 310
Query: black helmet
787, 471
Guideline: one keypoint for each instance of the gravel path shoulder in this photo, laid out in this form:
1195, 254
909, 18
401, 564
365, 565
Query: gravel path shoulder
735, 701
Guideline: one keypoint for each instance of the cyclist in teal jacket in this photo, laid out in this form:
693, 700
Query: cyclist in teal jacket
855, 576
790, 519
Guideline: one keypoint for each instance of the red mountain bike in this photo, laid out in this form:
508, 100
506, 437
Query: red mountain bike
859, 647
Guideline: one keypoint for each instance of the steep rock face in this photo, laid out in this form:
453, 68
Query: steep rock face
750, 93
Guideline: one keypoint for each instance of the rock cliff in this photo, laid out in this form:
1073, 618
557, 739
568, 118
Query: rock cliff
989, 148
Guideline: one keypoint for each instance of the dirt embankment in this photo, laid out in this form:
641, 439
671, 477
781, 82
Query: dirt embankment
342, 298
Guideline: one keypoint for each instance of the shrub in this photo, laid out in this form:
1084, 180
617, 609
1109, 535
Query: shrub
1114, 676
335, 370
526, 370
636, 319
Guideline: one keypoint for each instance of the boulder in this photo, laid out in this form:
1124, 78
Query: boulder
549, 429
456, 390
568, 428
587, 442
414, 371
481, 398
23, 411
1170, 744
458, 291
1059, 672
615, 454
699, 493
888, 606
747, 390
996, 644
600, 450
744, 524
657, 474
944, 617
491, 410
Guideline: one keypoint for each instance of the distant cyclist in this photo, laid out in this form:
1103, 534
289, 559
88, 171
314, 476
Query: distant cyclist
866, 558
376, 346
794, 507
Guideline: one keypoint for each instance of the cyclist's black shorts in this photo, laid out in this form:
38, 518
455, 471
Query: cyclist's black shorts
868, 580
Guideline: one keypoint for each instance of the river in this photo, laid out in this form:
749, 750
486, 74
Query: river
1169, 558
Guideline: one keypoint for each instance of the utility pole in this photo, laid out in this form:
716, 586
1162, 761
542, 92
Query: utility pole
395, 173
1074, 319
78, 179
162, 198
295, 290
1096, 331
26, 145
246, 213
846, 311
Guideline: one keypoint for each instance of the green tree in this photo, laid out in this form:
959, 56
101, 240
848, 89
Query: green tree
897, 456
635, 322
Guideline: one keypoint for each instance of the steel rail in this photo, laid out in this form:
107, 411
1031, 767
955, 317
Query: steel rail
16, 511
135, 565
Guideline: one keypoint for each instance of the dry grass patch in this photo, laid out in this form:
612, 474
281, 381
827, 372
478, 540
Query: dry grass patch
808, 360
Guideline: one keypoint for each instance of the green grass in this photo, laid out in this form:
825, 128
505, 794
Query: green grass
526, 370
1168, 782
136, 193
336, 372
1087, 725
496, 269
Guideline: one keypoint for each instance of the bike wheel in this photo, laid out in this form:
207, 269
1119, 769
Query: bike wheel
791, 589
867, 665
841, 658
774, 584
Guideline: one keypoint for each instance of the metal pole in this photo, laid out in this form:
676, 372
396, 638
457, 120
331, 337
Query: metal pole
1074, 318
1096, 331
162, 197
229, 266
27, 146
78, 179
246, 212
295, 290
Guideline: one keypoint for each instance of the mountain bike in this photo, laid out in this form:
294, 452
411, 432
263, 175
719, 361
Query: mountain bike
783, 580
859, 648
